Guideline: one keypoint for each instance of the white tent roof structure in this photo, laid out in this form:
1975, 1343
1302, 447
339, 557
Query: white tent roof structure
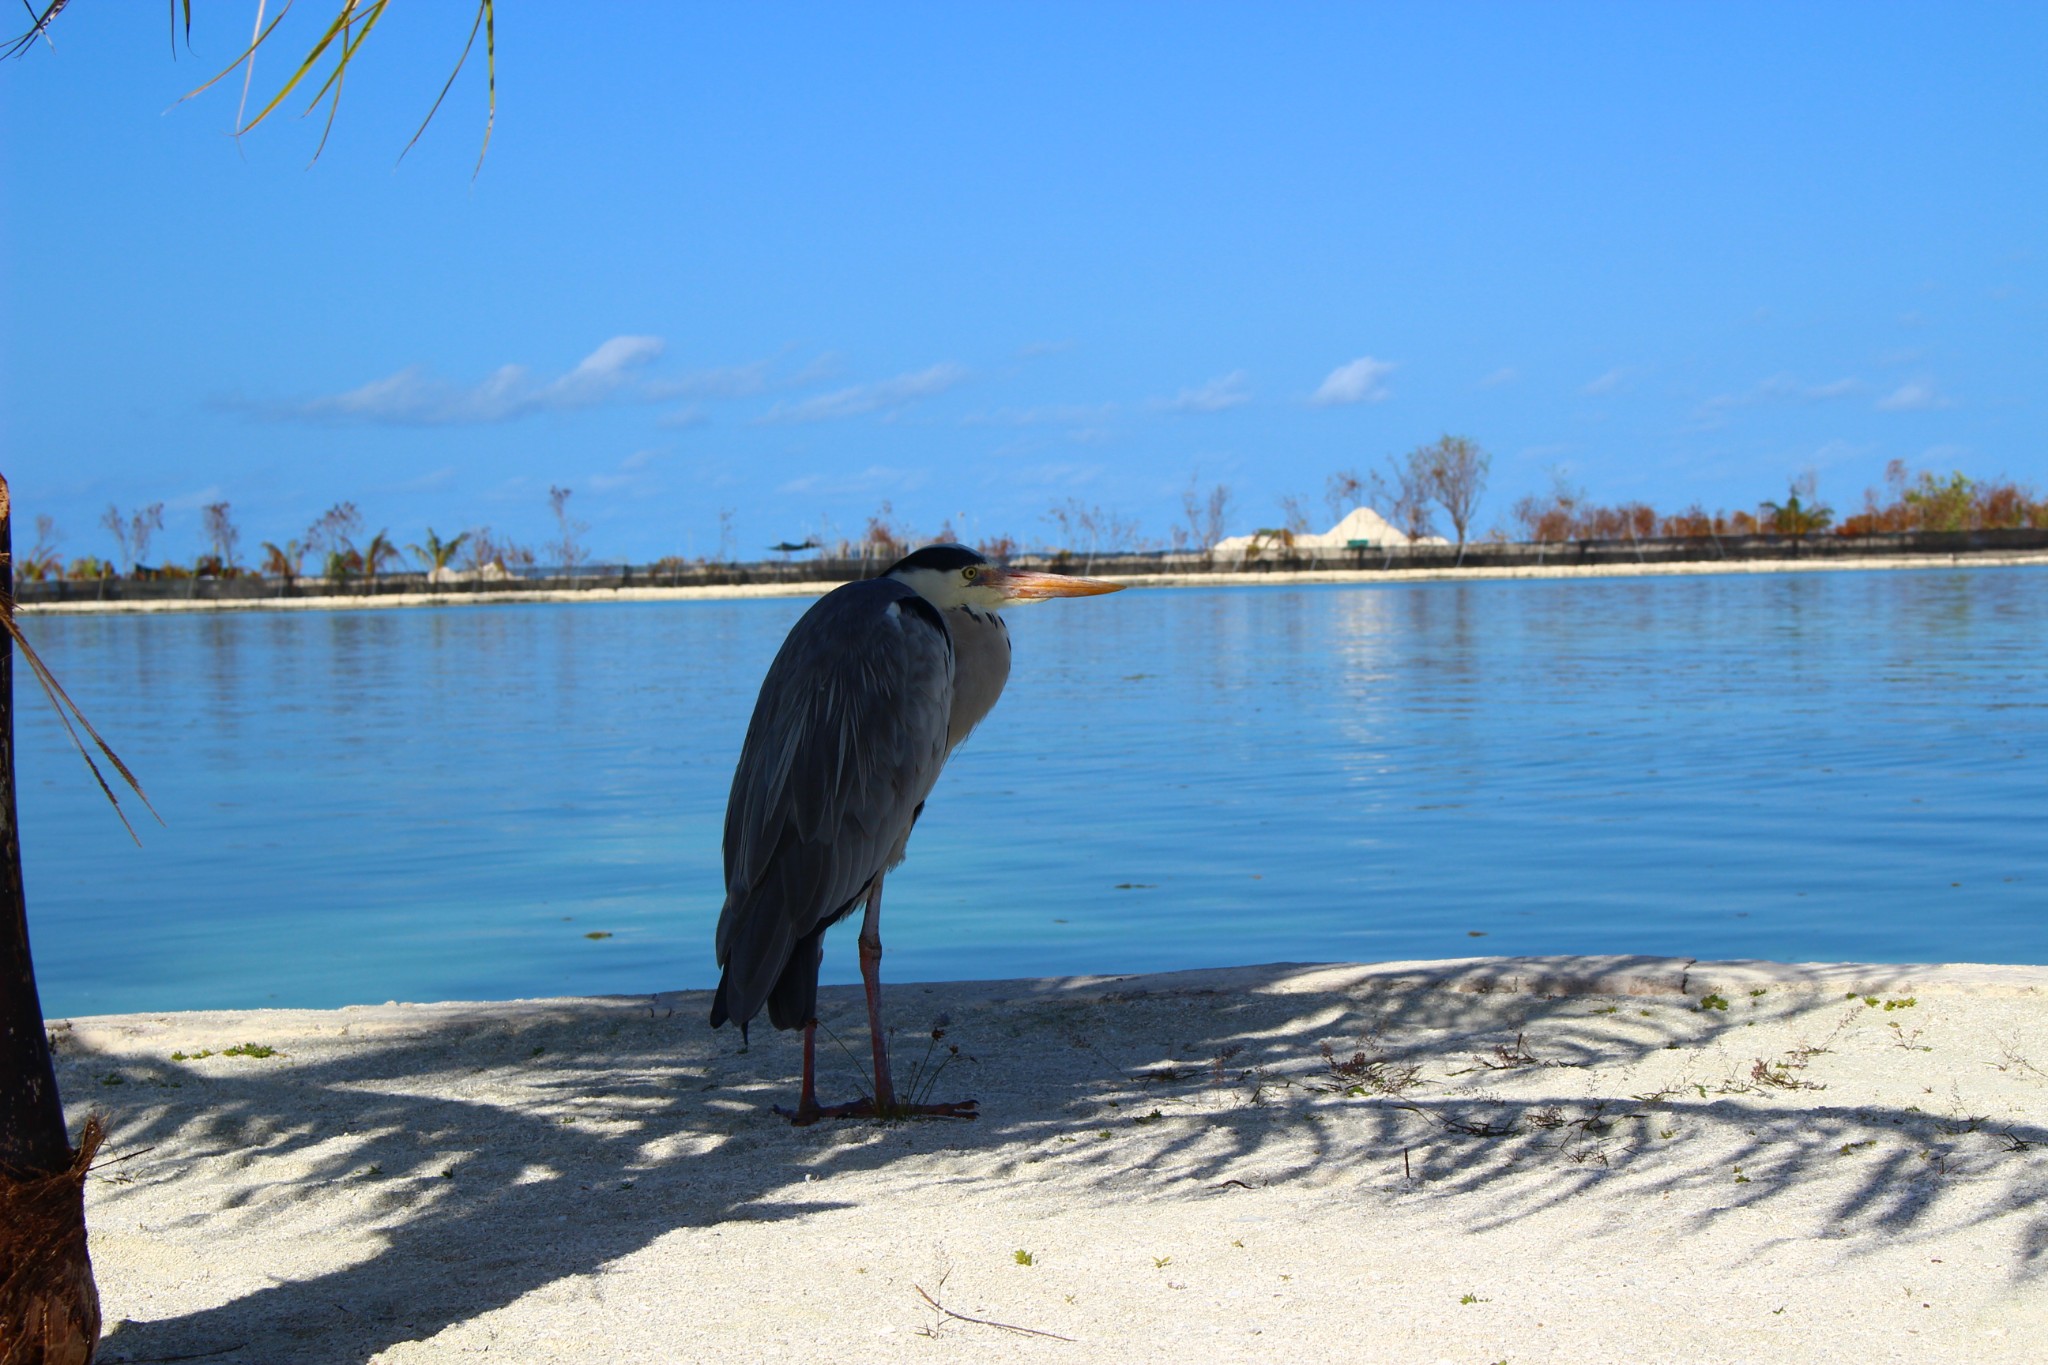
1360, 523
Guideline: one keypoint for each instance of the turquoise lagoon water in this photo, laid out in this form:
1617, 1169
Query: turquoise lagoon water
443, 804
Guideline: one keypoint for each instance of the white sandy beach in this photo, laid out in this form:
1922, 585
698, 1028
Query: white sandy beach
740, 591
1583, 1159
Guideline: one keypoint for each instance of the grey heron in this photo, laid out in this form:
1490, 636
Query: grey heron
875, 687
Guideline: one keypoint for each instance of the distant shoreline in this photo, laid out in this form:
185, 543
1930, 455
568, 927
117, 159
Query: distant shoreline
1230, 579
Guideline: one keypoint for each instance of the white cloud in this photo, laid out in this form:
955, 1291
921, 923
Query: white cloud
601, 372
1916, 395
432, 479
412, 397
632, 474
722, 381
1610, 382
874, 479
856, 400
1223, 392
1358, 381
1780, 388
1048, 414
1055, 476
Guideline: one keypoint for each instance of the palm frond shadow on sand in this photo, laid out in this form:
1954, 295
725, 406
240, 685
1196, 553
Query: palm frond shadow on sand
495, 1150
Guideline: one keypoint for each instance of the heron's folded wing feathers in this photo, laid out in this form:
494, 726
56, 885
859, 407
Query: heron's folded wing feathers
847, 739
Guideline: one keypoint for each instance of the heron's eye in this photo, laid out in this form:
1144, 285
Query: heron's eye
970, 573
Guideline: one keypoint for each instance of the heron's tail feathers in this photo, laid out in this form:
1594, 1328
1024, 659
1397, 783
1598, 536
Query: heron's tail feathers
791, 997
719, 1012
793, 1000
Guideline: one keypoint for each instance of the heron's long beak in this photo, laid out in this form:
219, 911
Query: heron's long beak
1022, 585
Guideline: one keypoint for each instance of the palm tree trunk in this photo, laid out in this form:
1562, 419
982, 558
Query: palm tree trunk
49, 1306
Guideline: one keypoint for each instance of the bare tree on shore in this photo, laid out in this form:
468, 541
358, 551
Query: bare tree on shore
1404, 492
1204, 518
568, 550
132, 533
1101, 530
1344, 491
1552, 515
333, 532
728, 536
883, 539
222, 534
42, 561
1453, 471
487, 551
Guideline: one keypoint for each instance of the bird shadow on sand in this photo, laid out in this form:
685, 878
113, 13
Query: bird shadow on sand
473, 1155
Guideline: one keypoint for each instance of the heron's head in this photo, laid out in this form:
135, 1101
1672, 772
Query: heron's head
950, 576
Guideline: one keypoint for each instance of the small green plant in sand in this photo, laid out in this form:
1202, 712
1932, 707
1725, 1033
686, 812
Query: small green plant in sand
924, 1077
191, 1056
1472, 1298
1713, 1002
1740, 1178
251, 1050
1851, 1148
1366, 1075
1161, 1262
1909, 1041
1022, 1257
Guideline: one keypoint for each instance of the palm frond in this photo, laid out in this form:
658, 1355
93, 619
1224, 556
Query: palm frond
66, 710
39, 27
340, 42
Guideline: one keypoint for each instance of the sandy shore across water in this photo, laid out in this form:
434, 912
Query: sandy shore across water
738, 591
1566, 1159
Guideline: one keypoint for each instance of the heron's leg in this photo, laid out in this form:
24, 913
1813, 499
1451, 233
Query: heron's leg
807, 1111
886, 1104
871, 977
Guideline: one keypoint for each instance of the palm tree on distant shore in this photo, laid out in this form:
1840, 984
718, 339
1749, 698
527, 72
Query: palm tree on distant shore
283, 560
1798, 520
436, 553
379, 552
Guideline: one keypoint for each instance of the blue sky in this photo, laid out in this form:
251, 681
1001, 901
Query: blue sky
975, 260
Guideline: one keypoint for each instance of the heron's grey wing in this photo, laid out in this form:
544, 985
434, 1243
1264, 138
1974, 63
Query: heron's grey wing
846, 741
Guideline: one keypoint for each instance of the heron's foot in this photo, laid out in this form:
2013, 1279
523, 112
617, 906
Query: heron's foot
952, 1109
803, 1116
